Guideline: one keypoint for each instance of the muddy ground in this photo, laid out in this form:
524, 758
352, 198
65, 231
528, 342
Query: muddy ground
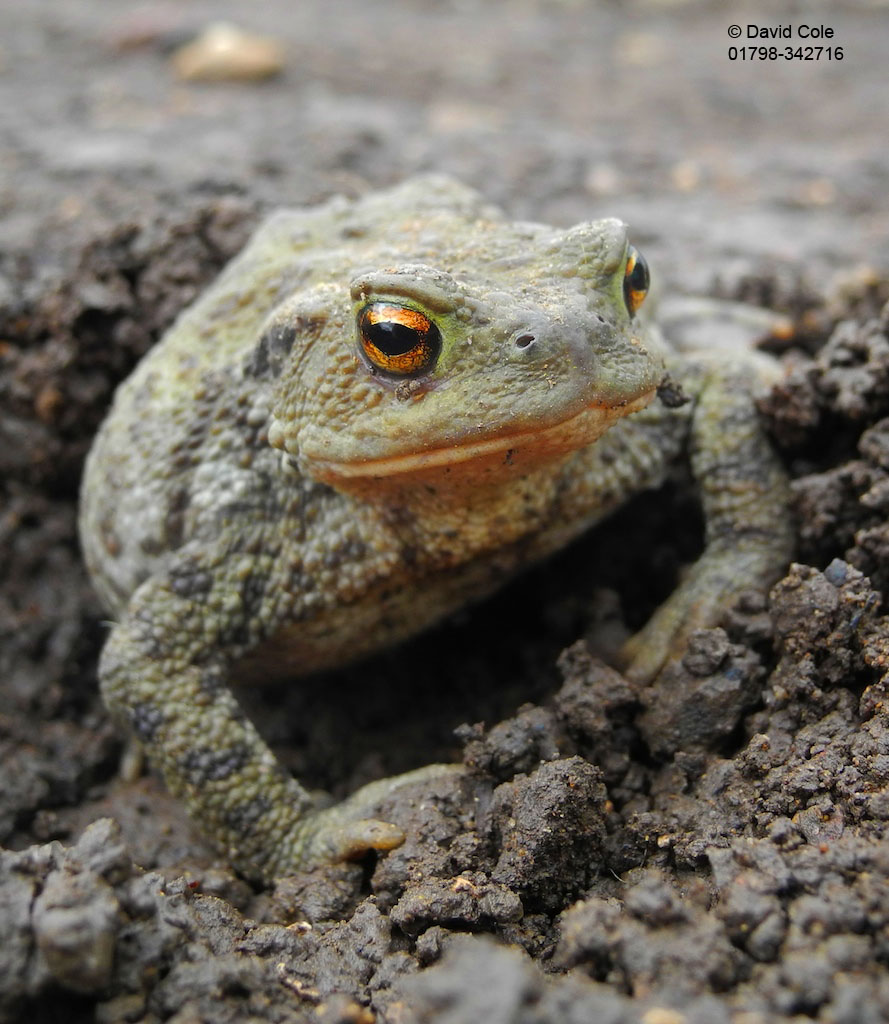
712, 849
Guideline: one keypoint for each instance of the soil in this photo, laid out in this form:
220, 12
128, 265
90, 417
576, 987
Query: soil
711, 849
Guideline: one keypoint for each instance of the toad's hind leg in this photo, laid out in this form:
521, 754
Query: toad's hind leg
163, 674
748, 527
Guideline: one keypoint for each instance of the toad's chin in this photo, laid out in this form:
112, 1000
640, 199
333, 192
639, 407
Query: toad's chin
511, 450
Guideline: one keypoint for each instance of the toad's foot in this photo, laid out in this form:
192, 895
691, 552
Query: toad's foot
699, 602
348, 830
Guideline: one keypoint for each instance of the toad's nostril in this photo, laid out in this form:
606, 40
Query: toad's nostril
524, 341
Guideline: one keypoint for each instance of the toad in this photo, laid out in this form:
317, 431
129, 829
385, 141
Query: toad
382, 410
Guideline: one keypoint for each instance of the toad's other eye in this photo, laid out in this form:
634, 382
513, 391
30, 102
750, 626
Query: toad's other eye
636, 280
397, 339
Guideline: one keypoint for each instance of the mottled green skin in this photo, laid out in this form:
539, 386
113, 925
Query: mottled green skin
260, 502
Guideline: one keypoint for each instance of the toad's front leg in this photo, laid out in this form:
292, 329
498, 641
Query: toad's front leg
164, 672
748, 531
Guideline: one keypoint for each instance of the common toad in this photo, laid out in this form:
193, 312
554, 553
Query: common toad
381, 410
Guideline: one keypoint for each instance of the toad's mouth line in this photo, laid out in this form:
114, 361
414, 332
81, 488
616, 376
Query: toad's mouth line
557, 438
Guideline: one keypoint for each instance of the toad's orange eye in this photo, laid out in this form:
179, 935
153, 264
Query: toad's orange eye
397, 339
636, 280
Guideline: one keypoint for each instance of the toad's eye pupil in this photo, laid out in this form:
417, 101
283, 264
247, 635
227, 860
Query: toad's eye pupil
398, 339
636, 280
639, 277
391, 338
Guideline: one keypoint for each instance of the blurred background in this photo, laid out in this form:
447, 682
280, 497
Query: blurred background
558, 109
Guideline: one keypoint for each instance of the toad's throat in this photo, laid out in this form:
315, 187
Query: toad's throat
518, 446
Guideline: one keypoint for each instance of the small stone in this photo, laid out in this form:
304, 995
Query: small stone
696, 704
226, 53
76, 919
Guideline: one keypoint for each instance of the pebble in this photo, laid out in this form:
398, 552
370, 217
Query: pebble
222, 52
